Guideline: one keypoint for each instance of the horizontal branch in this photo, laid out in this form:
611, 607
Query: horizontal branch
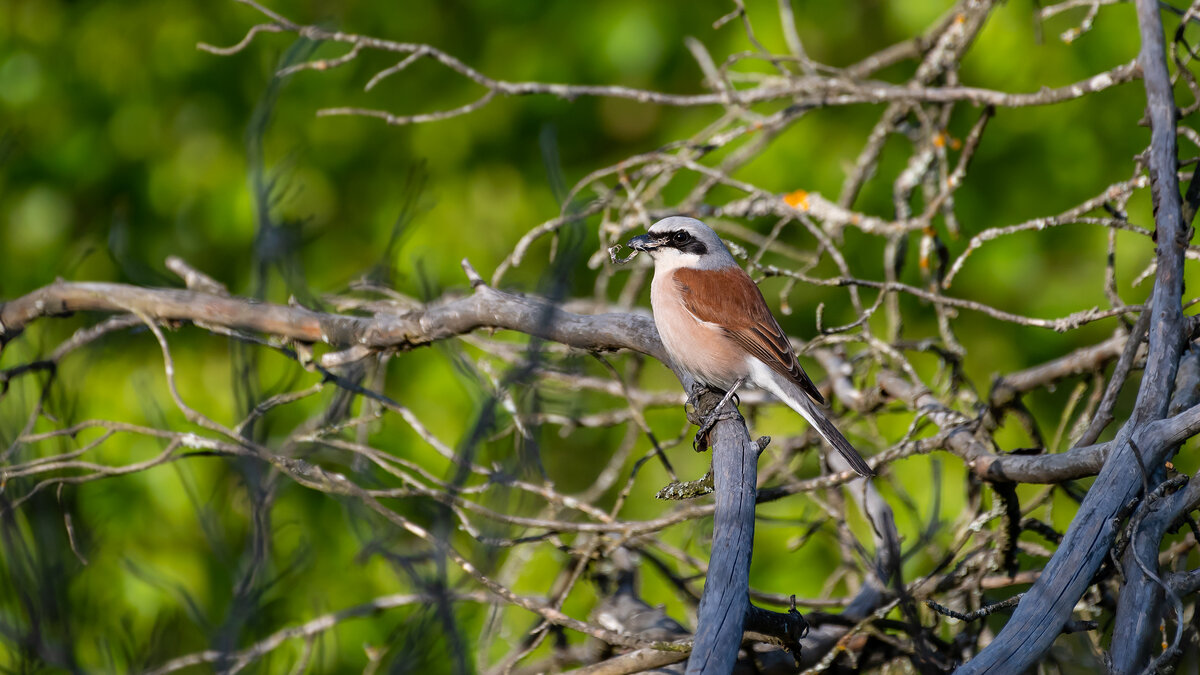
486, 307
1075, 463
1081, 361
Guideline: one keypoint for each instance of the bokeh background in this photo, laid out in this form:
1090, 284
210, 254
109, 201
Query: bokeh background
121, 143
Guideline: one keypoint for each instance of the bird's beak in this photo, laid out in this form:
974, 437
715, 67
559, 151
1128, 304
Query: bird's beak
644, 242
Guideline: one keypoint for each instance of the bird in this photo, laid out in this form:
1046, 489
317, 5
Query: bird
717, 328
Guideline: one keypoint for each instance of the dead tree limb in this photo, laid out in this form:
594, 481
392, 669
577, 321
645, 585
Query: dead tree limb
1040, 616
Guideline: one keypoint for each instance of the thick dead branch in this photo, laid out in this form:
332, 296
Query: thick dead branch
1046, 607
726, 599
485, 308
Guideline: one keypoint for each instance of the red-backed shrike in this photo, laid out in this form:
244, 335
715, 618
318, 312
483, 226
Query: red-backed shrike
717, 327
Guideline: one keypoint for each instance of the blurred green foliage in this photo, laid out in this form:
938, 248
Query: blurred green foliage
122, 143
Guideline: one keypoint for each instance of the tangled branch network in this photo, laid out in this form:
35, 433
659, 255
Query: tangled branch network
1121, 563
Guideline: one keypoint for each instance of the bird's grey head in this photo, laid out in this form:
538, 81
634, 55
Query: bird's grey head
683, 242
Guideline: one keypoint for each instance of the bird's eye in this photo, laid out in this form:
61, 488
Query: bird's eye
681, 237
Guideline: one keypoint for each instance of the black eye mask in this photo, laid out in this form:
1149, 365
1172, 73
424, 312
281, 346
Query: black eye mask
684, 242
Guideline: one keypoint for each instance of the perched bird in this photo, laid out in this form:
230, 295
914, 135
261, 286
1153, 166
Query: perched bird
717, 327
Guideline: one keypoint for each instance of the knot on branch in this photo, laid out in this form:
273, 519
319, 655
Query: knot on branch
761, 443
472, 275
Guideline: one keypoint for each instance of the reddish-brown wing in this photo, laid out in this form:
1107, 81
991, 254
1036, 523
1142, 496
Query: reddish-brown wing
729, 298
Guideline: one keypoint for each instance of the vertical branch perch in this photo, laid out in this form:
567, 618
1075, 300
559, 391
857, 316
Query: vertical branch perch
726, 596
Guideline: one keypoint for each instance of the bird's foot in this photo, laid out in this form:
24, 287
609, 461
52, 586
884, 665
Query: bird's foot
700, 441
692, 405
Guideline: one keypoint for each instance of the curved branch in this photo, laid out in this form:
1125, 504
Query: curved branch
485, 308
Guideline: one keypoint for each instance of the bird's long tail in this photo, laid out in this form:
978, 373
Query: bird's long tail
797, 400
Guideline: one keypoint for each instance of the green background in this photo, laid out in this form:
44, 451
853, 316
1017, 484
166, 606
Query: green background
122, 143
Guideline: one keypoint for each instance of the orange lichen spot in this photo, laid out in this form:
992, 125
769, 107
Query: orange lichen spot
960, 19
797, 200
955, 144
939, 140
855, 219
756, 126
